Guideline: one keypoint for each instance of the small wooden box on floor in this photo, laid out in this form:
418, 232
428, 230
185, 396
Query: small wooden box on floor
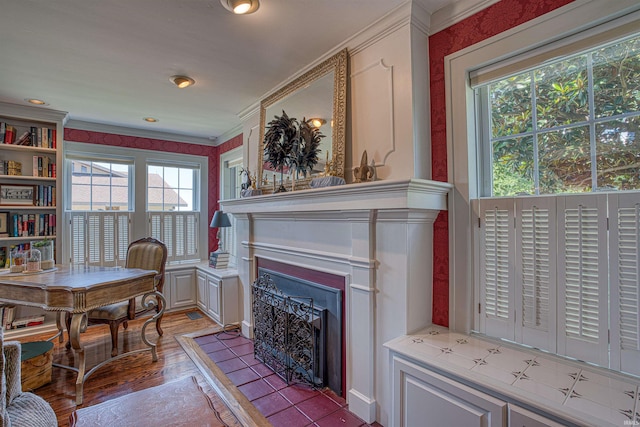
37, 358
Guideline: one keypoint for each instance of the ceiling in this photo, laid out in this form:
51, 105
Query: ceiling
109, 61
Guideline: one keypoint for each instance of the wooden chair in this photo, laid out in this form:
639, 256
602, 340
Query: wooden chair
146, 253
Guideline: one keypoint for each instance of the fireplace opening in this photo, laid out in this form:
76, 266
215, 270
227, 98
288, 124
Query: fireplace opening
298, 326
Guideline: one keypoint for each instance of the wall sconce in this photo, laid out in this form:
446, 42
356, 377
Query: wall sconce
241, 7
219, 220
316, 122
182, 81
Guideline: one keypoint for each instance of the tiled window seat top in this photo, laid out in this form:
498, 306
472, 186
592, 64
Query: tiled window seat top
556, 386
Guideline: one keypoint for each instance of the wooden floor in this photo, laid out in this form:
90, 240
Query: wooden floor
131, 373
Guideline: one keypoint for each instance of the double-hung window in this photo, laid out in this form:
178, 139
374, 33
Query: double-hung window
99, 209
559, 206
173, 208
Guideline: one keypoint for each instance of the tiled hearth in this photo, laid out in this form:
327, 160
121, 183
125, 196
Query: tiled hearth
282, 405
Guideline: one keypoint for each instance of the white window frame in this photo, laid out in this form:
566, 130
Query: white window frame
140, 158
230, 162
463, 157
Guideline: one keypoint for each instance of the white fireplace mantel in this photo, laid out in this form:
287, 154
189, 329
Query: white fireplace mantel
401, 194
378, 237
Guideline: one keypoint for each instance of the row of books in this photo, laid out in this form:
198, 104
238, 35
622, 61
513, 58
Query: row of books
23, 225
43, 166
10, 322
10, 167
219, 260
45, 195
42, 137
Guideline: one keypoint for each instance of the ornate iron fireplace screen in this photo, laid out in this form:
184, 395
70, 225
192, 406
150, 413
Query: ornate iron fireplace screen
287, 333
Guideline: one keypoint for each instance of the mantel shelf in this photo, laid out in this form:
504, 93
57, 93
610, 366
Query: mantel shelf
417, 194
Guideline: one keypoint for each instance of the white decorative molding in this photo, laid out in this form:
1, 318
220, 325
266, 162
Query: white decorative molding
368, 110
398, 194
29, 112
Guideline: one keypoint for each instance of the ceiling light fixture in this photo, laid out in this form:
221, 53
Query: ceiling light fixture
35, 101
316, 122
241, 7
182, 81
151, 120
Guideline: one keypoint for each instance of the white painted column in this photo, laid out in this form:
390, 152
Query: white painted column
361, 327
246, 268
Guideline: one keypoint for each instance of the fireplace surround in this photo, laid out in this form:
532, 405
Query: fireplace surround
377, 240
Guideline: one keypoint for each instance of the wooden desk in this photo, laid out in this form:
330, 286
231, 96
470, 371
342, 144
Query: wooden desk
77, 290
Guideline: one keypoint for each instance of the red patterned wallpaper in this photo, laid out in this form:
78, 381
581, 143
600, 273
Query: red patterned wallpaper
493, 20
212, 153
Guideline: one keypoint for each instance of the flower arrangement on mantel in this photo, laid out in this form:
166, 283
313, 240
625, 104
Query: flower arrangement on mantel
293, 144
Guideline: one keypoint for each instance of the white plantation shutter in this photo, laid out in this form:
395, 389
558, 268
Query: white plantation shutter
155, 220
99, 238
178, 231
624, 264
168, 236
123, 239
77, 237
180, 236
191, 235
535, 275
497, 241
583, 278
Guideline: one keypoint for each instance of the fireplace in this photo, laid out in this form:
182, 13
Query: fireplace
371, 241
326, 294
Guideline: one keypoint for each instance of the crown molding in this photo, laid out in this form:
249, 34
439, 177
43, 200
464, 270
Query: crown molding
28, 112
231, 133
456, 12
142, 133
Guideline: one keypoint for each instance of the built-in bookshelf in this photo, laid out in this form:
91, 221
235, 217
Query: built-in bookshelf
30, 193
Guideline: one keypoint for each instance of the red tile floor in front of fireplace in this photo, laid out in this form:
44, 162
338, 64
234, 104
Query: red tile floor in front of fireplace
282, 405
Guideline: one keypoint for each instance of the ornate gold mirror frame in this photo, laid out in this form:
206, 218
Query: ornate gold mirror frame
301, 94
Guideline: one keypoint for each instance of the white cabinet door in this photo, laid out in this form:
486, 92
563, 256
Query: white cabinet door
183, 292
520, 417
425, 398
201, 290
213, 305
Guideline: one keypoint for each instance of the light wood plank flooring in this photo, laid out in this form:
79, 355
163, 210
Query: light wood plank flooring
131, 373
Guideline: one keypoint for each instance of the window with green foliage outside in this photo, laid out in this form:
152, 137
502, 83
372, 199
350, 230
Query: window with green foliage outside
567, 126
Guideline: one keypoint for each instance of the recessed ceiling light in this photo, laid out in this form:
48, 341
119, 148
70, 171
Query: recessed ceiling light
151, 120
182, 81
241, 7
35, 101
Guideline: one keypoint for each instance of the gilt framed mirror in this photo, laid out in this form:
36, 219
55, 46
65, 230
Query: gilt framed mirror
320, 93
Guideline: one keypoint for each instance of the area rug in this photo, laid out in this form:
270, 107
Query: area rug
241, 407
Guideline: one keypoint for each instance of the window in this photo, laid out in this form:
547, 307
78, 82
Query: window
560, 270
104, 215
173, 209
99, 210
230, 187
569, 126
99, 185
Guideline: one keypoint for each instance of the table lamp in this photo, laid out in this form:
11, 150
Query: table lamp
219, 220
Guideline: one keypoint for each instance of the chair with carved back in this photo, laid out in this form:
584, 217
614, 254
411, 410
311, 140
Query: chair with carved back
146, 253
